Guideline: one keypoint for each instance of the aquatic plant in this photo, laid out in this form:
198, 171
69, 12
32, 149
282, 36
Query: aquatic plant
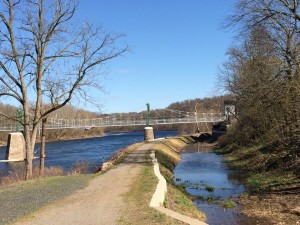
228, 204
210, 188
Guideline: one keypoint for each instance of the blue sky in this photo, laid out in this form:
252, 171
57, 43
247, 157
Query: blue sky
176, 49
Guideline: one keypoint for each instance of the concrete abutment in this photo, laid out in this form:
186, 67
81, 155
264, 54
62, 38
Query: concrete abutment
15, 150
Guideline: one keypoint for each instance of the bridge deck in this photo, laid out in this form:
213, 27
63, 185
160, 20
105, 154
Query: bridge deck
114, 121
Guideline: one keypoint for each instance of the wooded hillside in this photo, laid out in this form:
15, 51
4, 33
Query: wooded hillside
206, 105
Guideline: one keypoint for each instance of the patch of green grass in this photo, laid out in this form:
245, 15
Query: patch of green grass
210, 198
254, 183
215, 202
228, 204
202, 197
166, 160
137, 201
179, 201
188, 184
183, 185
210, 188
182, 200
268, 181
138, 198
260, 166
244, 195
37, 193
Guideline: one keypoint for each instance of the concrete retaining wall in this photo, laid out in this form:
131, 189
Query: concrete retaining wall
159, 195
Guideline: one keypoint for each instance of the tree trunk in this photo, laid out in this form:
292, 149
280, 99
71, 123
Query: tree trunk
28, 143
42, 152
29, 155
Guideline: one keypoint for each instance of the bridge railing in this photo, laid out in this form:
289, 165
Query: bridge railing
59, 123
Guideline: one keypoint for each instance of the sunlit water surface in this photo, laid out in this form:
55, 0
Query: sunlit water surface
91, 151
201, 168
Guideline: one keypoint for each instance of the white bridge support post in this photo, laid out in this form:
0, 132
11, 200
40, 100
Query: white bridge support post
148, 134
15, 150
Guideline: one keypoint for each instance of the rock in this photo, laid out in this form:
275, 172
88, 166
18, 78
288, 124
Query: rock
105, 166
296, 211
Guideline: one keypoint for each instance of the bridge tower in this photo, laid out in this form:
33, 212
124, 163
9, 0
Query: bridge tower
148, 131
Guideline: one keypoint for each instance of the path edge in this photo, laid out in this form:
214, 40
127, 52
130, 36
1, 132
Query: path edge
159, 195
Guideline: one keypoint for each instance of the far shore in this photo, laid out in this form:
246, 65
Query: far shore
3, 143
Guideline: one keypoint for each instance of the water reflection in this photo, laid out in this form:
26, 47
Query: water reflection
198, 147
205, 176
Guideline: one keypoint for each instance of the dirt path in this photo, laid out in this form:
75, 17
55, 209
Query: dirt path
99, 203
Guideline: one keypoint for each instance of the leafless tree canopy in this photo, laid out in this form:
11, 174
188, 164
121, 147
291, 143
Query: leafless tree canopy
262, 72
47, 58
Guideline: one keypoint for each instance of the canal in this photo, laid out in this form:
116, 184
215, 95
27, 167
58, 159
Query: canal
214, 187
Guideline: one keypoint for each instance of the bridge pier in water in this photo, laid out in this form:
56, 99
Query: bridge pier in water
148, 134
148, 131
15, 150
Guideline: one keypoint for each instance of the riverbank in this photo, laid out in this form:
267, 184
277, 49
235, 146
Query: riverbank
274, 193
142, 182
62, 135
138, 198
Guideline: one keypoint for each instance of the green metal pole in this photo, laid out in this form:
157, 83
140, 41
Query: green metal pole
19, 118
148, 115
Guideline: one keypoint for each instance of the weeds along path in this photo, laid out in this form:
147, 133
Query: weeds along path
100, 202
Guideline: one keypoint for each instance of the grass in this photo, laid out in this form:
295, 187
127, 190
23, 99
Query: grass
210, 188
138, 198
228, 204
225, 203
202, 197
254, 161
23, 199
177, 198
17, 175
268, 181
36, 193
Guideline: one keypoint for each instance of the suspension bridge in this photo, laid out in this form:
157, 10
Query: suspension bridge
157, 117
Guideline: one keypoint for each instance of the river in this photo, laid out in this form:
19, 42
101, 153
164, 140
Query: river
91, 150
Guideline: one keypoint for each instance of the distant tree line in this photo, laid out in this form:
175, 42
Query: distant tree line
206, 105
67, 112
263, 74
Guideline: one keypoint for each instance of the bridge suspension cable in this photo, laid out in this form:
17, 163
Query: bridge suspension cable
157, 117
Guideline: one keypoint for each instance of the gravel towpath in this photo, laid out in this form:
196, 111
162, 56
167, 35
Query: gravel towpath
100, 202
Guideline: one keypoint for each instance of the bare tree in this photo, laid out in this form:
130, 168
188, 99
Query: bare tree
263, 74
47, 58
281, 18
43, 150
